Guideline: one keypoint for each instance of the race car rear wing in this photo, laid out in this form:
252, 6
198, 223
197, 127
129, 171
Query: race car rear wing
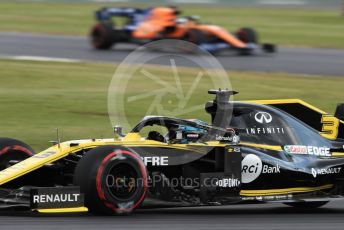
105, 14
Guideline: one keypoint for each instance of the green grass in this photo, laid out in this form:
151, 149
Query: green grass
37, 97
285, 26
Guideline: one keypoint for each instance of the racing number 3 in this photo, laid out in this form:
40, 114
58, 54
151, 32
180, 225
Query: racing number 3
330, 126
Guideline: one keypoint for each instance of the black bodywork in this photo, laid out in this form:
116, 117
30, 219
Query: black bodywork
297, 163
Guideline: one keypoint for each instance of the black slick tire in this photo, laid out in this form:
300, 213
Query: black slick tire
113, 180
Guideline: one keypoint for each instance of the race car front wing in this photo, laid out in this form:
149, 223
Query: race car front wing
35, 198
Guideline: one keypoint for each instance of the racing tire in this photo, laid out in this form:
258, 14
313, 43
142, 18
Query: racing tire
103, 36
13, 150
113, 180
307, 205
247, 35
195, 36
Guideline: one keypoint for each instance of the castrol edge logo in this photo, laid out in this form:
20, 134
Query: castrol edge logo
308, 150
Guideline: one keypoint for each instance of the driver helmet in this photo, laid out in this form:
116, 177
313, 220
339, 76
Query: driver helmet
184, 134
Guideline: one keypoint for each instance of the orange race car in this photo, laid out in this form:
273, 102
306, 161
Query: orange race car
145, 25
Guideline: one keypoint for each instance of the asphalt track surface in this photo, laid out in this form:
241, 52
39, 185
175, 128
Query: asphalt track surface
267, 216
310, 61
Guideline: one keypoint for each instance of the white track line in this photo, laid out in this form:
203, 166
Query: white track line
40, 58
282, 2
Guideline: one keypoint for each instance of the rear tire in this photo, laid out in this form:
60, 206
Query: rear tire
102, 36
307, 205
113, 179
12, 149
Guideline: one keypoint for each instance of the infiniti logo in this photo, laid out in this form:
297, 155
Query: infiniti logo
263, 117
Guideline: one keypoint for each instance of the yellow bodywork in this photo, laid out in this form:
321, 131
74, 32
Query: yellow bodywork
64, 149
63, 210
288, 101
283, 191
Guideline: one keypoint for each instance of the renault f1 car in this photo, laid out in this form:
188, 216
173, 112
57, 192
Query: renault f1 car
145, 25
268, 151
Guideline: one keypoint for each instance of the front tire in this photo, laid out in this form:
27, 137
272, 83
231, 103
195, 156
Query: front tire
113, 179
13, 150
307, 205
247, 35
